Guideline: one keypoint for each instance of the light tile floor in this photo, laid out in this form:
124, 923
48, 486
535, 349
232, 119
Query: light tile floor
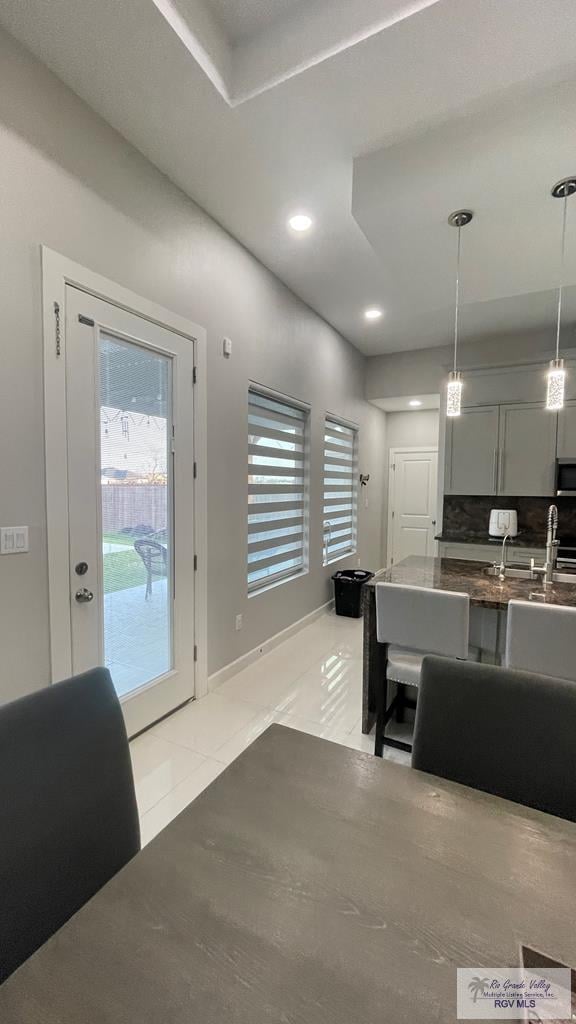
311, 682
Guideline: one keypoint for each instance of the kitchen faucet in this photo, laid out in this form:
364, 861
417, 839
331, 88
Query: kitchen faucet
502, 573
548, 569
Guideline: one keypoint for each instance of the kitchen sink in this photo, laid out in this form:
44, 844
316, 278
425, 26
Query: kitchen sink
512, 572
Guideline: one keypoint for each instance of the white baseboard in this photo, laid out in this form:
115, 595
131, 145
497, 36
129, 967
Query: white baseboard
219, 677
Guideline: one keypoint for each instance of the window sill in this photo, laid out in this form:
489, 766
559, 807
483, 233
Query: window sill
339, 558
276, 583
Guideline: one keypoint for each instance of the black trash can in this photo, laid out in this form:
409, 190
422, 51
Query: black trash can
348, 585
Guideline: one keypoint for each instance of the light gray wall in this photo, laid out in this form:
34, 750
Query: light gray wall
69, 181
407, 430
423, 371
412, 429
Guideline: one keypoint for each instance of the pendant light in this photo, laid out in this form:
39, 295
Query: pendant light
557, 374
458, 219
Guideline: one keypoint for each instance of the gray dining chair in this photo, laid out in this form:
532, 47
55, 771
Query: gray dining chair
413, 622
68, 815
505, 732
541, 638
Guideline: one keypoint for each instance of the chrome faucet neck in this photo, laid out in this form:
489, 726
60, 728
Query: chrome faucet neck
503, 555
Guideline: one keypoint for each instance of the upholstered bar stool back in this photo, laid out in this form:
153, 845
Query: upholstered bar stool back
541, 638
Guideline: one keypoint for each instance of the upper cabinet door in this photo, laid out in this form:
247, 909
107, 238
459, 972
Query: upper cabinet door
567, 432
527, 450
472, 451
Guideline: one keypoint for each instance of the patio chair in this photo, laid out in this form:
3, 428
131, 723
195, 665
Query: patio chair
155, 558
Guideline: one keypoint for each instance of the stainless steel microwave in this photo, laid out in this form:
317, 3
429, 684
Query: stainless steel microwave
566, 476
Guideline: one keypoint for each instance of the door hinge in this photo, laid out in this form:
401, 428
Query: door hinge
57, 329
195, 563
85, 320
195, 652
195, 470
194, 376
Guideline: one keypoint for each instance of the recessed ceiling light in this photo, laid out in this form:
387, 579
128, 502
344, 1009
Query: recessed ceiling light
373, 314
300, 222
414, 402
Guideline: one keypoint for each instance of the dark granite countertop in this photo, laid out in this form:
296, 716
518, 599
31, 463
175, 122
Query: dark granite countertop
468, 577
523, 540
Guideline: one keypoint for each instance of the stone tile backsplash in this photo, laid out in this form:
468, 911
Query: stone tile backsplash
467, 516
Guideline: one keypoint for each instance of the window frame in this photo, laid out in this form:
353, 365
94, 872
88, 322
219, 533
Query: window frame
340, 421
258, 586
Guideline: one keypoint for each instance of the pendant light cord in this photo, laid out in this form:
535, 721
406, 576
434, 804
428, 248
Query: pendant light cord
457, 302
561, 282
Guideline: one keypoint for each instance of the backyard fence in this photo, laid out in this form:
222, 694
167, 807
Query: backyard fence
129, 505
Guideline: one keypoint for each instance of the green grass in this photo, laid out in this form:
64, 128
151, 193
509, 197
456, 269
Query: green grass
122, 569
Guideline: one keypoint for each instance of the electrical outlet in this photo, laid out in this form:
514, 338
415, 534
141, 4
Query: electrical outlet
239, 623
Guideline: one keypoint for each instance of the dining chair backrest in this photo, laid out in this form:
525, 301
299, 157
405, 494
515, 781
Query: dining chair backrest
435, 621
505, 732
541, 638
68, 815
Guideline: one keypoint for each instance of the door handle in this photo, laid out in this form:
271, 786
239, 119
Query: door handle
495, 472
84, 596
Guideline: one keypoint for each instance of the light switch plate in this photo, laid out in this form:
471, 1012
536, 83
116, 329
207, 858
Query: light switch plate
13, 540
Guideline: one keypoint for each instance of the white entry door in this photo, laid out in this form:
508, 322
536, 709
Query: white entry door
130, 426
412, 497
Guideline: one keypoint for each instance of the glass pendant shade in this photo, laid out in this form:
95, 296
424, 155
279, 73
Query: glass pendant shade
454, 394
557, 374
458, 219
556, 385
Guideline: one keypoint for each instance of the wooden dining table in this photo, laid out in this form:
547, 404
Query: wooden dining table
310, 884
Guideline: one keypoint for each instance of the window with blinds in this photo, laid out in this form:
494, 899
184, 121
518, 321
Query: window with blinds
277, 489
340, 489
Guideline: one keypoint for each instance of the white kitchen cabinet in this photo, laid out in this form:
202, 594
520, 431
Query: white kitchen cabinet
567, 432
491, 552
527, 450
469, 552
505, 449
472, 451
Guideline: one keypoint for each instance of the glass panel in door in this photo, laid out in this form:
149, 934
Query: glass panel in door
136, 519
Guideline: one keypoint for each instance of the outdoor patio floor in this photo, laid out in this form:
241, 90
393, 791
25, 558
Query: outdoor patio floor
137, 642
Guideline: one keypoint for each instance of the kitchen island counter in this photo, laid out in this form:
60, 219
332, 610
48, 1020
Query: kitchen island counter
454, 574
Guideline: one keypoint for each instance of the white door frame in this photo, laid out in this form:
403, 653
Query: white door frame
58, 272
393, 452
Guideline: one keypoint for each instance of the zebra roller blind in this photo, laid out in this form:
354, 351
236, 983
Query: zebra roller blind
277, 489
340, 489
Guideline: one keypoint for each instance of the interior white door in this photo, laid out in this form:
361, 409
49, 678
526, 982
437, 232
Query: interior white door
130, 423
412, 490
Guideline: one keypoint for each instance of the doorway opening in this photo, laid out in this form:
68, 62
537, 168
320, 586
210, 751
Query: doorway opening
412, 502
125, 470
